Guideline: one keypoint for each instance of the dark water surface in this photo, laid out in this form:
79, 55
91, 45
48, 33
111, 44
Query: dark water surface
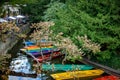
19, 45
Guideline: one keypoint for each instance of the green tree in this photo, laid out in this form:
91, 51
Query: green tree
35, 10
99, 20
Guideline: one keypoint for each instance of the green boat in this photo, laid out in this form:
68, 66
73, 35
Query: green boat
65, 67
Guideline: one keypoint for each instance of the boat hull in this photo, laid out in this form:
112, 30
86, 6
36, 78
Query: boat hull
29, 43
65, 67
22, 78
110, 77
45, 52
33, 49
39, 50
49, 56
43, 43
37, 47
39, 53
77, 74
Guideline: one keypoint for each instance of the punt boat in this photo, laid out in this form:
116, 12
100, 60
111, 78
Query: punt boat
77, 74
109, 77
65, 67
49, 56
42, 43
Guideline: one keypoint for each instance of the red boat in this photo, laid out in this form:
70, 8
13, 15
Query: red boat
49, 56
110, 77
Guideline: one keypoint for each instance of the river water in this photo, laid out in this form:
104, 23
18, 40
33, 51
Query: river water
16, 50
14, 53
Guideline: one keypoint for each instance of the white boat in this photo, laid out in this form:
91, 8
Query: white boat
10, 77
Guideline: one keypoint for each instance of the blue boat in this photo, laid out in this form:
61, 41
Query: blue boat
38, 50
29, 43
43, 43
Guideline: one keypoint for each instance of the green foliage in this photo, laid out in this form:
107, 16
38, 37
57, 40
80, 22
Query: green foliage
104, 55
114, 60
51, 12
35, 10
13, 2
98, 19
22, 1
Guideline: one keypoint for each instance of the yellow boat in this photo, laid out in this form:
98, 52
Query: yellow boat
77, 74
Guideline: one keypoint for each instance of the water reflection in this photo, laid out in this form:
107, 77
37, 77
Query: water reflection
25, 78
21, 64
21, 78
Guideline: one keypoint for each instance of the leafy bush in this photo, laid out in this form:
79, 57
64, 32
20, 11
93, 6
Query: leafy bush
99, 20
35, 10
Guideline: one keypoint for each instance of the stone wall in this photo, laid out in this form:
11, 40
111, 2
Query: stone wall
11, 41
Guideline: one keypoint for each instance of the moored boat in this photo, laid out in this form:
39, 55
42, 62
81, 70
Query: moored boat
36, 50
22, 78
14, 77
29, 43
49, 56
33, 46
43, 52
109, 77
77, 74
39, 50
42, 43
65, 67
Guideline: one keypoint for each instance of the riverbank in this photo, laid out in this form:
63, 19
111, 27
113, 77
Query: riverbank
6, 53
12, 40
